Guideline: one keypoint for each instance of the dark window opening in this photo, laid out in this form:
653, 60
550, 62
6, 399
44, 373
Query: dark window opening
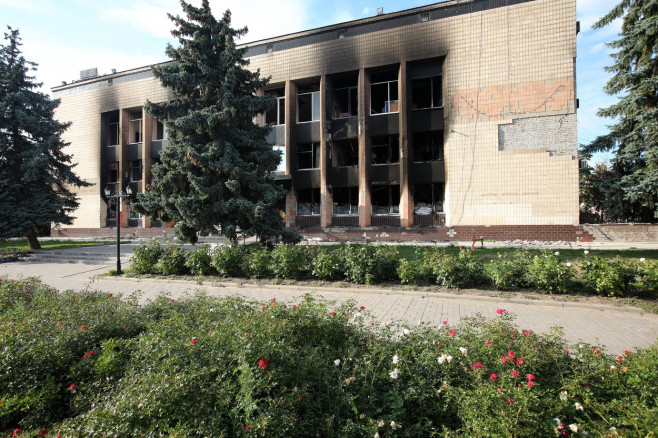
135, 170
308, 202
308, 156
426, 93
345, 103
276, 115
428, 198
159, 130
385, 149
428, 146
385, 199
346, 201
135, 126
113, 176
344, 153
308, 103
113, 129
384, 97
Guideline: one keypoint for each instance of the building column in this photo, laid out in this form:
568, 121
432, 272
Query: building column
291, 121
124, 167
147, 136
326, 200
365, 152
406, 200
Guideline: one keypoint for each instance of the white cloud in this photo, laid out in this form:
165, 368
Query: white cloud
41, 6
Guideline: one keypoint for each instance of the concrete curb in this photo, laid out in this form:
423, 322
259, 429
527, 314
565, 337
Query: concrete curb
371, 291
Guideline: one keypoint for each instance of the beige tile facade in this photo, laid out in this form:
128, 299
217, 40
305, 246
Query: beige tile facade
501, 64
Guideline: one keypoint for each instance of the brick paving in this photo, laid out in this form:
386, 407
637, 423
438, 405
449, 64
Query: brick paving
616, 329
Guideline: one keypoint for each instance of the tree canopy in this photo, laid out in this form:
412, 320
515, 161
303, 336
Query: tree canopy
214, 174
35, 173
632, 188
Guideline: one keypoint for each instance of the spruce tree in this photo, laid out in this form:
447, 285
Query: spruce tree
633, 138
35, 173
214, 174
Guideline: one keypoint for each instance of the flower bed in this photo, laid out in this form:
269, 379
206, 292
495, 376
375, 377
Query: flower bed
545, 271
93, 364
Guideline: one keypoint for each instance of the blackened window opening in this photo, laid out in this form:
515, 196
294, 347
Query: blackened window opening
308, 202
426, 93
344, 153
385, 149
385, 199
428, 146
428, 198
346, 201
276, 115
308, 156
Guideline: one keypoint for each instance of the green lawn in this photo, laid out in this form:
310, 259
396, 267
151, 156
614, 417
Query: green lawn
22, 244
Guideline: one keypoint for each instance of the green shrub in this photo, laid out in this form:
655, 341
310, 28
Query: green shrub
647, 277
509, 271
229, 260
224, 367
199, 261
369, 264
418, 270
257, 261
292, 262
328, 264
146, 257
608, 277
172, 260
464, 270
549, 274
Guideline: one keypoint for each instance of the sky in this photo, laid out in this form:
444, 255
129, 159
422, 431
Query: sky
66, 36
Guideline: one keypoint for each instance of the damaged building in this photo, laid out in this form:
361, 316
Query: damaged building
450, 119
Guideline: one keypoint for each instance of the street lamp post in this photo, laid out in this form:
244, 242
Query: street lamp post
118, 197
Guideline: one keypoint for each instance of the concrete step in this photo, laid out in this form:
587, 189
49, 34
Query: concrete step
42, 256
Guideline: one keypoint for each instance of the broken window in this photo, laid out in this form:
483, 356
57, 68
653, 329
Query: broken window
159, 130
385, 149
308, 156
113, 129
308, 103
135, 128
385, 199
384, 93
344, 153
428, 198
428, 146
113, 176
276, 115
426, 93
308, 202
345, 103
346, 201
135, 170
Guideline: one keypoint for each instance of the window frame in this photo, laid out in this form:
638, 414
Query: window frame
352, 107
388, 101
132, 125
132, 168
432, 79
314, 117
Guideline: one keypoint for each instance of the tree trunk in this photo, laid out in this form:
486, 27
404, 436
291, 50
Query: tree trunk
32, 240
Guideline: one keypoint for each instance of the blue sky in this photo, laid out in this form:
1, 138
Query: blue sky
66, 36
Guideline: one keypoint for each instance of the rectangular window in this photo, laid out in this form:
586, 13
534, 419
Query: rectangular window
385, 199
386, 149
308, 107
135, 170
308, 156
428, 146
113, 130
159, 130
345, 103
113, 172
384, 97
276, 115
308, 202
135, 215
426, 93
428, 198
135, 128
346, 201
344, 153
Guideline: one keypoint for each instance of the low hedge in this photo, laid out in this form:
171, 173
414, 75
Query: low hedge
93, 364
545, 271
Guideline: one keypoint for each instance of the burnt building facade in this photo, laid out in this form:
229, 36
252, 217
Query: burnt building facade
452, 116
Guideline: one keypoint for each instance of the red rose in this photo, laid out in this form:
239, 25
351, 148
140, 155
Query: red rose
193, 341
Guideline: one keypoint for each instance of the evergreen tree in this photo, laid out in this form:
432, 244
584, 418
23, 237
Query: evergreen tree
35, 173
215, 171
634, 137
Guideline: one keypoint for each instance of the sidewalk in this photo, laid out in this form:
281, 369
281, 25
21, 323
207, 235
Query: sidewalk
617, 329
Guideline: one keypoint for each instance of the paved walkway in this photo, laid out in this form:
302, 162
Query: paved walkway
617, 329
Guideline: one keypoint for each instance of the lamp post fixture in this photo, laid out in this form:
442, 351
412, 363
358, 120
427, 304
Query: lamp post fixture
118, 197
